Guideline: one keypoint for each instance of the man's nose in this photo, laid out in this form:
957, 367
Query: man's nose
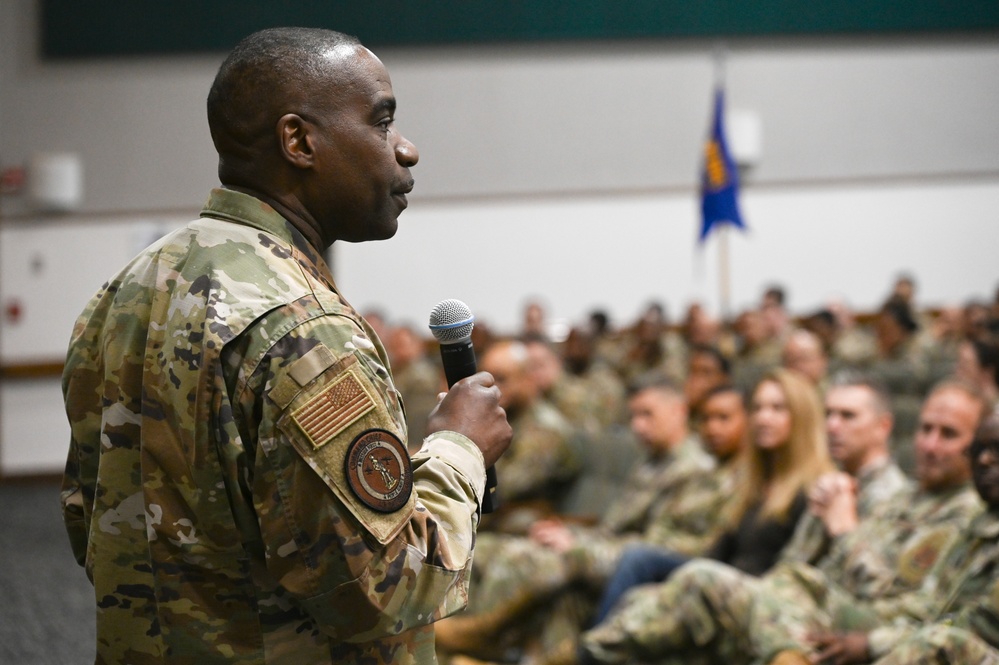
930, 441
406, 153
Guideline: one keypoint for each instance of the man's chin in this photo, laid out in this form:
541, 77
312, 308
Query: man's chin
380, 233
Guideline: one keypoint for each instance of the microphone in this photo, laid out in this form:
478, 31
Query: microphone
451, 323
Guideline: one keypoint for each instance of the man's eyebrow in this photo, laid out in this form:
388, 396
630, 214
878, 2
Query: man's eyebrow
384, 104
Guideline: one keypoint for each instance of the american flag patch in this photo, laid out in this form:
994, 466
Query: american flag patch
333, 410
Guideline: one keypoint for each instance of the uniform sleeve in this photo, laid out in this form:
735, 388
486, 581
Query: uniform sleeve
809, 542
71, 499
82, 386
903, 614
686, 503
370, 542
983, 616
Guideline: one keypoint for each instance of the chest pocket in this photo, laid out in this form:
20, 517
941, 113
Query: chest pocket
335, 413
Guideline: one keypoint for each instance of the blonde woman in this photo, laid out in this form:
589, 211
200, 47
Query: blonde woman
788, 453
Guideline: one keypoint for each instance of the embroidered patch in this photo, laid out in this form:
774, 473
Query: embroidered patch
378, 470
916, 560
333, 410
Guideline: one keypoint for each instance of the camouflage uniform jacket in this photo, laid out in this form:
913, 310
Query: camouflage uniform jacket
892, 553
572, 398
543, 457
670, 500
237, 484
877, 484
888, 556
607, 395
961, 590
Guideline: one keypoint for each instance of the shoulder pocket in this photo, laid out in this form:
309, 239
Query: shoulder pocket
336, 419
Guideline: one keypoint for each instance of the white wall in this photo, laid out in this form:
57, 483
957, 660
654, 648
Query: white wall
620, 252
565, 171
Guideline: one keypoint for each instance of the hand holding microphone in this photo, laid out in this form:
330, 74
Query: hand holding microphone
471, 406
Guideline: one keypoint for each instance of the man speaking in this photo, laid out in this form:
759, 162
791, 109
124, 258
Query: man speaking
238, 485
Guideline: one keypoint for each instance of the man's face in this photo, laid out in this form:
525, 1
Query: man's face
805, 355
657, 418
544, 366
362, 160
752, 327
947, 425
855, 426
888, 332
723, 424
515, 384
985, 462
703, 374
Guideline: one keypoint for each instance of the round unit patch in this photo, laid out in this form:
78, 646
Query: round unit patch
378, 470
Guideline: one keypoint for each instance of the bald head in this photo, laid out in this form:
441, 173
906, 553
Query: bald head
268, 74
508, 362
803, 352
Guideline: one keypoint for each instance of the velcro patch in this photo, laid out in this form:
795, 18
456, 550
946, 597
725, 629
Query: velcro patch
378, 470
333, 410
916, 560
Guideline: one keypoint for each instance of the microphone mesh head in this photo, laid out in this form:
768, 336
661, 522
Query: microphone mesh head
451, 321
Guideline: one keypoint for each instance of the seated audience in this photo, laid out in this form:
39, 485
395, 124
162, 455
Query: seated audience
651, 347
757, 352
803, 352
875, 568
978, 364
775, 316
543, 458
707, 369
565, 391
902, 366
418, 378
952, 613
858, 428
604, 385
964, 629
673, 496
786, 456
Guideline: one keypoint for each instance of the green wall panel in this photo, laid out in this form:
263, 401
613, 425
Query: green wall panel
80, 29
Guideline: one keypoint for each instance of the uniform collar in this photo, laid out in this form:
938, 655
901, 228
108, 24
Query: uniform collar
247, 210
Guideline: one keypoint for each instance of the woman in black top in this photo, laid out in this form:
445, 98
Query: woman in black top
788, 453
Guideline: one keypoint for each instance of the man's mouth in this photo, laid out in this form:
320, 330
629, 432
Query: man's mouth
400, 193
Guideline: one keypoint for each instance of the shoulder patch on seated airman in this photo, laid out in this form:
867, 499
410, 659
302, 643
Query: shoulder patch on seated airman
378, 470
334, 409
916, 560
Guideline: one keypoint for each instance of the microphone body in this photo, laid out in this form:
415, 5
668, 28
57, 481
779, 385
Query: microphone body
451, 323
458, 359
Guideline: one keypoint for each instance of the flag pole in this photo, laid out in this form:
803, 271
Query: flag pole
724, 273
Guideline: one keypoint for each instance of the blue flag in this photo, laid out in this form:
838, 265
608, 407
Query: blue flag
719, 178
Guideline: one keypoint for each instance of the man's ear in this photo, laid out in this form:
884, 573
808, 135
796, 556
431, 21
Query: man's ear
295, 140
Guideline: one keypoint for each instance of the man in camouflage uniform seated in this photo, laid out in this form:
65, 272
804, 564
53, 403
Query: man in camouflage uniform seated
672, 498
858, 427
954, 616
238, 483
545, 456
708, 611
